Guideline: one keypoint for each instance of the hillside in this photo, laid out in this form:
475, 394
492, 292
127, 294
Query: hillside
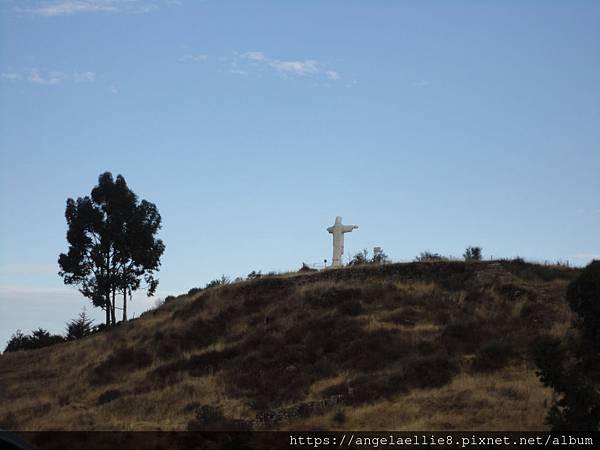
417, 346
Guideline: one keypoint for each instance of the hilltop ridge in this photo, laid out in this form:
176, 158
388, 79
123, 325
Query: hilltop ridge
407, 346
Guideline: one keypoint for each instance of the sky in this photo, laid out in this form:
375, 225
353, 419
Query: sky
252, 124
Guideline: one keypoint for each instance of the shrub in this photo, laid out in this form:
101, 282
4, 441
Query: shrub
428, 256
407, 316
281, 366
571, 368
379, 257
169, 298
207, 417
190, 407
333, 297
166, 374
108, 396
196, 366
254, 275
166, 348
339, 417
351, 308
217, 282
370, 351
212, 418
305, 268
428, 371
205, 363
431, 370
9, 422
79, 327
360, 258
18, 341
583, 296
492, 356
121, 361
199, 332
472, 254
367, 389
37, 339
465, 335
194, 291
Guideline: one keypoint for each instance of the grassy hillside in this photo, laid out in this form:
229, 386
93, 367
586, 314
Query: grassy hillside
419, 346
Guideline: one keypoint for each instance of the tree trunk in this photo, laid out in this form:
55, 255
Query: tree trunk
107, 308
112, 308
125, 305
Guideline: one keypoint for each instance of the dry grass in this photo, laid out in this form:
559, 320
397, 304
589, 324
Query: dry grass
279, 341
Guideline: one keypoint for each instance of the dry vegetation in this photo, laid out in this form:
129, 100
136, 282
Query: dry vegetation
420, 346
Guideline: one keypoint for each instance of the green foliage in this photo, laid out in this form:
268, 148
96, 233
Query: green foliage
360, 258
217, 282
112, 244
37, 339
380, 258
428, 256
583, 296
254, 275
472, 254
572, 368
79, 327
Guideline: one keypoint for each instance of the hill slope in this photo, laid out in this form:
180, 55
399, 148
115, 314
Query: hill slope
418, 346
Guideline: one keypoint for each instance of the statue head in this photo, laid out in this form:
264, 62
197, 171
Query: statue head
338, 220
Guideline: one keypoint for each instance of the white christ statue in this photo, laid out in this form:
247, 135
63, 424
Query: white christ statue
338, 231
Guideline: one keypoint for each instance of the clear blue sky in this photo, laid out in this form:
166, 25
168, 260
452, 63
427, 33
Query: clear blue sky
252, 124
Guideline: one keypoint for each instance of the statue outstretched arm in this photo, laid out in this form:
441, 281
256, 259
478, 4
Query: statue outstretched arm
330, 229
348, 228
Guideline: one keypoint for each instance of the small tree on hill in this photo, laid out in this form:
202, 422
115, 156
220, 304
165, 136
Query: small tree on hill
18, 341
37, 339
218, 282
472, 254
428, 256
79, 327
360, 258
572, 367
379, 258
254, 275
